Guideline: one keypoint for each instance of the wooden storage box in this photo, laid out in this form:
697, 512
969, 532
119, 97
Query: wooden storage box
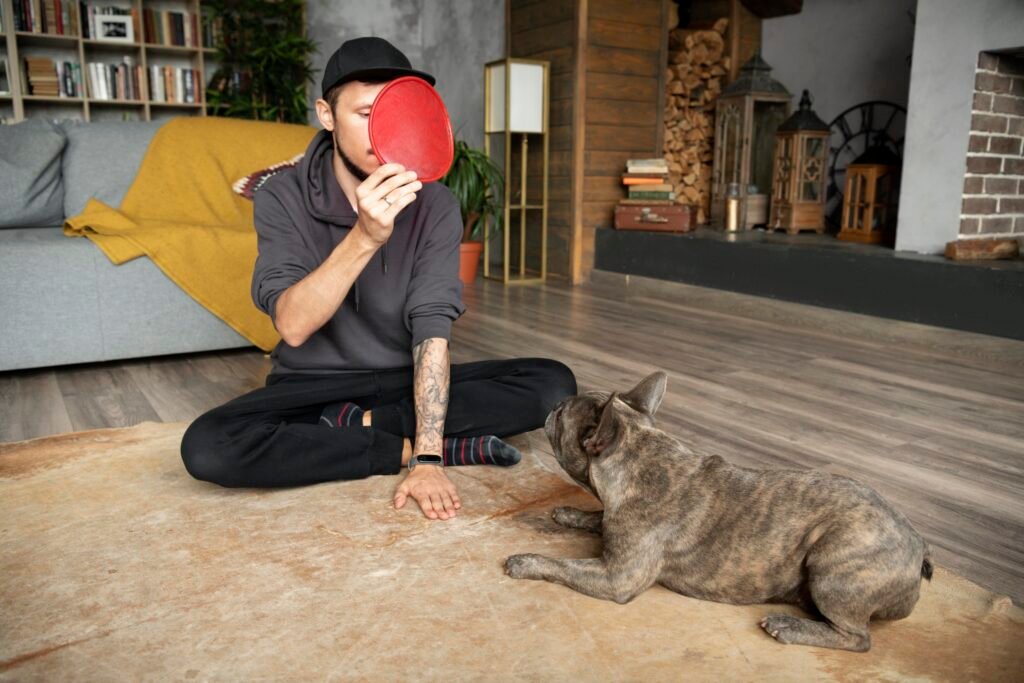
672, 218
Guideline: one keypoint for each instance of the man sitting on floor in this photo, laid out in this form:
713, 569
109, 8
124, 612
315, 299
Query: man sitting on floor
358, 269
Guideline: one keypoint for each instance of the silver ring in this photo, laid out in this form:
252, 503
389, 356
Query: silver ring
388, 200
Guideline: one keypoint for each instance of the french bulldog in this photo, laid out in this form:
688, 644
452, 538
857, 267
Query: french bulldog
714, 531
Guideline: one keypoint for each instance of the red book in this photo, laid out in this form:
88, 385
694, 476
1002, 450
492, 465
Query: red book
652, 180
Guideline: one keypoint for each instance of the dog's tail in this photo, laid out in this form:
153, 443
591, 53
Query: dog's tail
926, 566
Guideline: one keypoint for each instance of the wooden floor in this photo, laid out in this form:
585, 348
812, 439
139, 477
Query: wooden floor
934, 419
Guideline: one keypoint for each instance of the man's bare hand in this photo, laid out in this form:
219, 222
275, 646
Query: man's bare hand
430, 487
382, 196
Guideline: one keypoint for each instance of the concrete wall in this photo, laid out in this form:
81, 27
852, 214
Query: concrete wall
451, 39
949, 36
843, 51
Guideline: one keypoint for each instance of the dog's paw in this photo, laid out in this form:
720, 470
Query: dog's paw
523, 566
781, 626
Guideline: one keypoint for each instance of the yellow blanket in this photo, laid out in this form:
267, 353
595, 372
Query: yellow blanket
181, 212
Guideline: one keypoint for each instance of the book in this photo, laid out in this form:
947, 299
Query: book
646, 166
42, 76
644, 180
653, 187
655, 161
646, 202
5, 78
651, 195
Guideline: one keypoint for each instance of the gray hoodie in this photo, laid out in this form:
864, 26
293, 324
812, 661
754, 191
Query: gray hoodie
408, 292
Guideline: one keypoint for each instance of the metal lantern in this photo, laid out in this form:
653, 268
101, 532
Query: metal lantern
747, 113
870, 200
798, 191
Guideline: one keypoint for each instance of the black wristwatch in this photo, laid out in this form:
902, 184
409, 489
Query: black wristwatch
425, 459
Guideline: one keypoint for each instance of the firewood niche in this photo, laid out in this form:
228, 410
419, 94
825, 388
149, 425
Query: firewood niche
697, 68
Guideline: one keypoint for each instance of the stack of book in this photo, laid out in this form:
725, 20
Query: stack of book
651, 202
170, 84
647, 180
44, 16
120, 81
42, 78
171, 28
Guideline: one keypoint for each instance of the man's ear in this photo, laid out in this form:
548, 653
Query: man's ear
607, 430
324, 113
646, 396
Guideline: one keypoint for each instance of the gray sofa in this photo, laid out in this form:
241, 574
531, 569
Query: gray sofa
63, 301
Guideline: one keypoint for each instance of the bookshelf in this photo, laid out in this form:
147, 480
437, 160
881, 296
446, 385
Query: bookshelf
17, 45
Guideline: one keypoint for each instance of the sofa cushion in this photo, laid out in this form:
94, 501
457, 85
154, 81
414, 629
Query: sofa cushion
101, 160
31, 190
65, 302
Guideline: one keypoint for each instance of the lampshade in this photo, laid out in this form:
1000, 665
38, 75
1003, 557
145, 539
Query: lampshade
525, 93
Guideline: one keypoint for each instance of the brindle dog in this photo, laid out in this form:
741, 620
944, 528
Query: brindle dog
710, 530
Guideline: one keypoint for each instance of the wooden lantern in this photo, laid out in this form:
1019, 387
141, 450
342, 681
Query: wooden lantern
870, 200
798, 190
747, 113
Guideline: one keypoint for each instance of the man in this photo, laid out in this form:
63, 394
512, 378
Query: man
358, 269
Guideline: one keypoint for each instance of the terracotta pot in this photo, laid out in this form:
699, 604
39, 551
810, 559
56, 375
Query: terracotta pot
469, 260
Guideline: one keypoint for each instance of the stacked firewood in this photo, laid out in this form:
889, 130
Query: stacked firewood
697, 67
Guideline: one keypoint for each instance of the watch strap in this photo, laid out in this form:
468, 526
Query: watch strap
426, 459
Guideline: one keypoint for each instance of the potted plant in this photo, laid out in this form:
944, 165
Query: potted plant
264, 60
478, 184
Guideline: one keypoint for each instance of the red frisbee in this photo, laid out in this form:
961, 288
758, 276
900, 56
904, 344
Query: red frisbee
409, 125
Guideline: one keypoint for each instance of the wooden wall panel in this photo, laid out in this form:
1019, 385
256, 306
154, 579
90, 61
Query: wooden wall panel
537, 39
626, 57
619, 34
608, 61
643, 12
546, 30
602, 111
617, 87
617, 60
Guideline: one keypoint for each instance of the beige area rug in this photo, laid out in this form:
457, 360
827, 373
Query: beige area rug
116, 565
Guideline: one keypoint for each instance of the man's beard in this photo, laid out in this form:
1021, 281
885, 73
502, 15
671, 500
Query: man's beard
359, 173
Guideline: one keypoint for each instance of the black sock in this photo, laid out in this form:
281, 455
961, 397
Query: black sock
342, 415
479, 450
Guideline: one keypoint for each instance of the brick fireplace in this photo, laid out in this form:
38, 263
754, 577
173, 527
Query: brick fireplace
993, 199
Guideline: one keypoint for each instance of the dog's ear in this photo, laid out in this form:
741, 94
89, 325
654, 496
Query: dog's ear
646, 396
607, 430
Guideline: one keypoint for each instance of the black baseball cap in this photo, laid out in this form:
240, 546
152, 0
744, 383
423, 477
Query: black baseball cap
368, 59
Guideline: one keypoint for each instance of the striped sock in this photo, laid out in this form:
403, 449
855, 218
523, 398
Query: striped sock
479, 450
342, 415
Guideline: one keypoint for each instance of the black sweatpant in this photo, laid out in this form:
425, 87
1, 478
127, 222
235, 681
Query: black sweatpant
273, 436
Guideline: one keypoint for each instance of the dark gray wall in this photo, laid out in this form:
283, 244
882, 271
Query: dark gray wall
950, 34
451, 39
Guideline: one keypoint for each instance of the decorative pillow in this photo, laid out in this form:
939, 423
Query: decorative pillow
31, 187
102, 159
249, 184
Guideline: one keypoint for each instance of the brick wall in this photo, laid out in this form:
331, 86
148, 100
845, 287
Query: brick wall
993, 202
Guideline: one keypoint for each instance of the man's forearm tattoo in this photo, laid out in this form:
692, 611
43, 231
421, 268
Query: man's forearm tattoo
430, 389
